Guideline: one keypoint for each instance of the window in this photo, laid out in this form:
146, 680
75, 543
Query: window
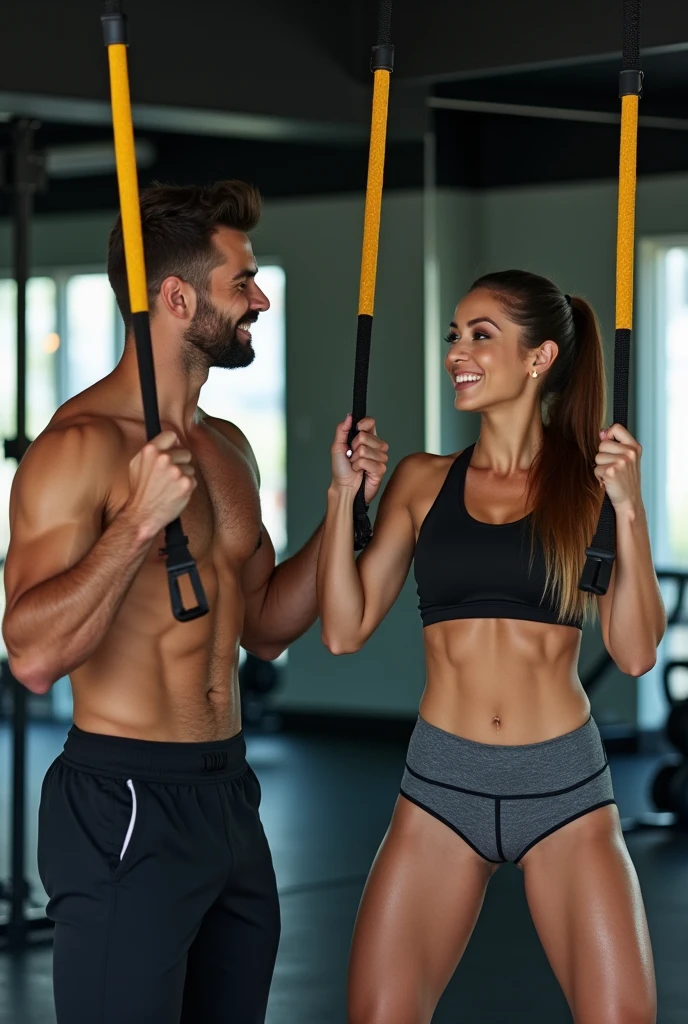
92, 326
663, 431
42, 344
71, 330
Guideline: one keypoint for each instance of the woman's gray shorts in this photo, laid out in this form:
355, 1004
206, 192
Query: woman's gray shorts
503, 800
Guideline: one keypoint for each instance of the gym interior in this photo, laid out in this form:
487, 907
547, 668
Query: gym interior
502, 151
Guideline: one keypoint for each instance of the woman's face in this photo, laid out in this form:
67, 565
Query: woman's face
485, 362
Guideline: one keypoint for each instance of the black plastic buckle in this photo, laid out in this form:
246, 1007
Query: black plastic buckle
180, 563
382, 58
630, 83
597, 571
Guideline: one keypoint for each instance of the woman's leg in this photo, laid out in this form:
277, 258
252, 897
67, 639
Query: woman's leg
419, 908
585, 899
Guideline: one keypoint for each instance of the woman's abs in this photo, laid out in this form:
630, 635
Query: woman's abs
503, 681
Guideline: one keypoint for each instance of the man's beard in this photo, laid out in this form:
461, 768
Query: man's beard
213, 334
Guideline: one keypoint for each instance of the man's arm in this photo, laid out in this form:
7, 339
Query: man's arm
65, 577
281, 601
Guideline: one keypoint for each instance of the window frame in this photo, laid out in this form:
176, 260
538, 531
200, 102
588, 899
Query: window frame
650, 365
652, 324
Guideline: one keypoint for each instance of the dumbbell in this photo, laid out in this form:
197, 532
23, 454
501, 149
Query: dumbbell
677, 727
670, 789
257, 676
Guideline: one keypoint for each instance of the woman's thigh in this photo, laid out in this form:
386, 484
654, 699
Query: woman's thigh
586, 904
419, 908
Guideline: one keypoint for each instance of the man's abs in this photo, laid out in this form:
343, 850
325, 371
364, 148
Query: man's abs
154, 678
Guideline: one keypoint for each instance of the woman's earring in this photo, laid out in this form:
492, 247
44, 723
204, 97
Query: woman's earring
534, 373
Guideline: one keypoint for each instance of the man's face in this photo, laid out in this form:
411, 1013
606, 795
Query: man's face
221, 325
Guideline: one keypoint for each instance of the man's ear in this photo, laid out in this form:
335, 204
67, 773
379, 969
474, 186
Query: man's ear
178, 297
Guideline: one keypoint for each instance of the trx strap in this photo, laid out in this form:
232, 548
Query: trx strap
179, 562
601, 553
382, 65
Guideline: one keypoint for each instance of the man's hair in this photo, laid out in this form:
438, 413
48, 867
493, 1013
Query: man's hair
178, 224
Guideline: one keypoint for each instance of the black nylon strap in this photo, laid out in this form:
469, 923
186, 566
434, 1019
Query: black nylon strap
631, 77
363, 531
384, 23
622, 365
363, 338
631, 35
179, 561
600, 555
602, 552
144, 356
362, 528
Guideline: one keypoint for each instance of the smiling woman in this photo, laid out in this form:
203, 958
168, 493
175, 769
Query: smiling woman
505, 762
517, 323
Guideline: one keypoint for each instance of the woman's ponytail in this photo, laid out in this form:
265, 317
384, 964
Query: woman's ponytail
566, 495
563, 491
577, 407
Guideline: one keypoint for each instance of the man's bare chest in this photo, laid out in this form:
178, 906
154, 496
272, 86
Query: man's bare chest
223, 518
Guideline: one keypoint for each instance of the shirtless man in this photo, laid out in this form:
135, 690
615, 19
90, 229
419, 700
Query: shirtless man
151, 848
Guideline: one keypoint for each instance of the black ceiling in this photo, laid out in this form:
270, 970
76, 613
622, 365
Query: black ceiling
495, 149
278, 92
446, 39
591, 85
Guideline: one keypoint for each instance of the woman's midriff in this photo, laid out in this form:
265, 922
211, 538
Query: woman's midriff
503, 681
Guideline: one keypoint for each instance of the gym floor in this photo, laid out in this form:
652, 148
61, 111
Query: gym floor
326, 805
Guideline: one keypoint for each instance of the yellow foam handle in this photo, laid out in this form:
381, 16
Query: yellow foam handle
625, 241
373, 203
125, 155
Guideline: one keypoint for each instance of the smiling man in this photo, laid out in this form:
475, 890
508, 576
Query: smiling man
151, 847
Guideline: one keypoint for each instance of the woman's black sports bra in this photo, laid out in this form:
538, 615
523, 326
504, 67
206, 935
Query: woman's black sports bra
466, 569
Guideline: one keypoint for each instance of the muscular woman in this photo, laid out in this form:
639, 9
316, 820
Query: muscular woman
505, 762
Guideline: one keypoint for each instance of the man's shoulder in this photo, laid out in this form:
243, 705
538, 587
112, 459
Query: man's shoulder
226, 428
75, 441
233, 434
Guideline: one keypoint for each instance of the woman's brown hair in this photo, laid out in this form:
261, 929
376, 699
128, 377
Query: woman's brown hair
563, 492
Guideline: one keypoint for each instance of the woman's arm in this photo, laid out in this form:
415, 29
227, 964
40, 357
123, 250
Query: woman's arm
632, 612
354, 596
